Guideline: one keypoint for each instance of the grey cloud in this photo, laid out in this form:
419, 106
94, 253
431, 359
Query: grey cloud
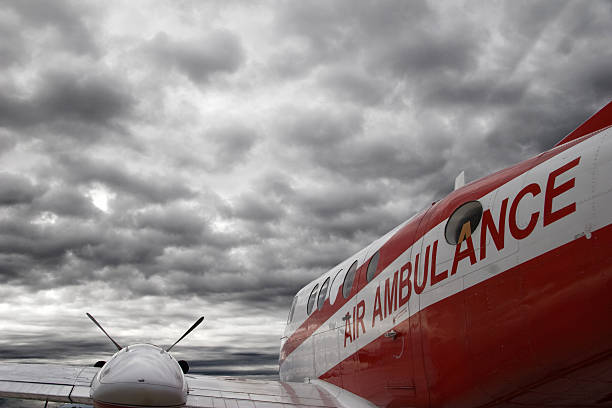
218, 52
83, 97
232, 145
11, 44
533, 127
429, 55
476, 93
44, 242
393, 38
594, 78
152, 187
17, 189
63, 200
331, 202
38, 348
391, 157
358, 114
66, 17
355, 87
257, 208
7, 142
320, 129
173, 221
351, 225
333, 29
94, 98
224, 361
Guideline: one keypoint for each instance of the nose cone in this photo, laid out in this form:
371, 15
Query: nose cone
142, 375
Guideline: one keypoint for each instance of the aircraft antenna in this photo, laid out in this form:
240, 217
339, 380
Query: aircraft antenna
104, 331
187, 332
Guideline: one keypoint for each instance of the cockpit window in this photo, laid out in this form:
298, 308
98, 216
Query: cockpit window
372, 266
323, 294
469, 213
292, 310
348, 280
312, 298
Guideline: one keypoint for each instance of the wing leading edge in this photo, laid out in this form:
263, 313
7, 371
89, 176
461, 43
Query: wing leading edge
46, 382
209, 392
72, 384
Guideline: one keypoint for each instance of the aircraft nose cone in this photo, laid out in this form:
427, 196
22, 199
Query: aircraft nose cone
141, 375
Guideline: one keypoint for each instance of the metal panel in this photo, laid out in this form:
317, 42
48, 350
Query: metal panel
51, 382
211, 392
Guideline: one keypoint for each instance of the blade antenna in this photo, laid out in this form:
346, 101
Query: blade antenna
104, 331
187, 332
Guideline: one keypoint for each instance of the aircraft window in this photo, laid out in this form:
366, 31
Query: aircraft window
372, 266
470, 212
322, 294
333, 289
348, 280
312, 298
292, 310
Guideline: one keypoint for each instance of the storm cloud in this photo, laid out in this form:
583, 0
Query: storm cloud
162, 163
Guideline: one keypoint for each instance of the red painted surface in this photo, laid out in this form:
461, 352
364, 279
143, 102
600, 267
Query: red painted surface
530, 336
602, 119
414, 231
535, 335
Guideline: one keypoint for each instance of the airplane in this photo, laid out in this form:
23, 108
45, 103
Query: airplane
498, 295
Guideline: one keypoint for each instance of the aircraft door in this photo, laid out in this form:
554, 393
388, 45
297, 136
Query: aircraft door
386, 352
347, 345
335, 355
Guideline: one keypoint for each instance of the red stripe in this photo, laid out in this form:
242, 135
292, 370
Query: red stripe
412, 232
600, 120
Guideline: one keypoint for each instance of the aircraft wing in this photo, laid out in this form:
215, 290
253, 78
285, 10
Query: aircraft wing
71, 384
46, 382
206, 391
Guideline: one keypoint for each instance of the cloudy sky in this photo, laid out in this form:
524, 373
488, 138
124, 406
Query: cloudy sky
165, 160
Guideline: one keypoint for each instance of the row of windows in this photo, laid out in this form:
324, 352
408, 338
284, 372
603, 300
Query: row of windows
468, 214
321, 295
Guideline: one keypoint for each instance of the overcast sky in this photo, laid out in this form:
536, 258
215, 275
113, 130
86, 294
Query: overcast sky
165, 160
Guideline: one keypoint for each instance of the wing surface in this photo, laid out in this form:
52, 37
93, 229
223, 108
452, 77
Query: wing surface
46, 382
210, 392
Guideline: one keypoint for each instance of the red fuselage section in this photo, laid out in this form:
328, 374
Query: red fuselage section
516, 312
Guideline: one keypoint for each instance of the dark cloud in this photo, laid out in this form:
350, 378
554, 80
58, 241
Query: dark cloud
232, 144
154, 188
17, 189
7, 142
313, 129
87, 98
320, 129
172, 221
450, 53
67, 96
476, 93
66, 201
331, 202
69, 20
259, 208
355, 87
218, 52
11, 44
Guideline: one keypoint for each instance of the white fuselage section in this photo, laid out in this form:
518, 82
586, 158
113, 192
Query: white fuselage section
140, 375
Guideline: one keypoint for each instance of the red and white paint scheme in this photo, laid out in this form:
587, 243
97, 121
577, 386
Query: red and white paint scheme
519, 313
499, 295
